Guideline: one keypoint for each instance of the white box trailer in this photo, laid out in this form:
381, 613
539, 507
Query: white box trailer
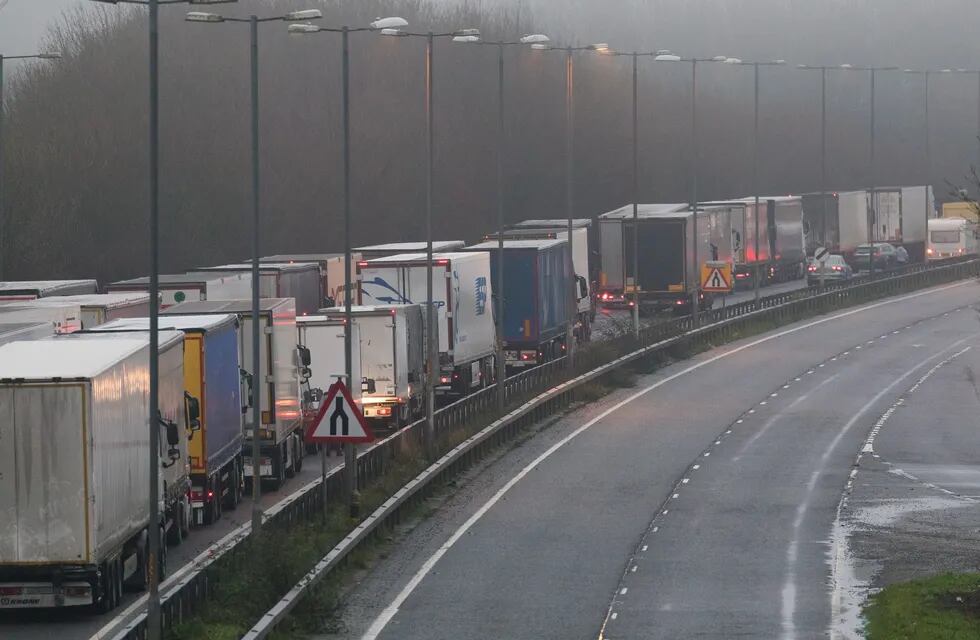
64, 317
74, 514
331, 267
31, 289
462, 294
324, 337
375, 251
392, 361
278, 386
99, 308
902, 217
300, 281
190, 287
15, 332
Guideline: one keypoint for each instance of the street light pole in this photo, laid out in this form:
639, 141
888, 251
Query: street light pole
257, 378
636, 199
569, 199
431, 350
153, 616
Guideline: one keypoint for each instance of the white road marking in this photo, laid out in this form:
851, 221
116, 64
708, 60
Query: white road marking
616, 615
389, 612
789, 585
623, 592
696, 467
685, 480
645, 547
739, 421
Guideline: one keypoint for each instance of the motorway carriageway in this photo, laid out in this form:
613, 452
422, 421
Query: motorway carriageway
71, 624
730, 495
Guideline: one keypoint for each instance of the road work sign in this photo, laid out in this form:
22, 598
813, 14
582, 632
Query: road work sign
339, 419
716, 277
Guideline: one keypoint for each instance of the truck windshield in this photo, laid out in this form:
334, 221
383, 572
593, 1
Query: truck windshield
945, 236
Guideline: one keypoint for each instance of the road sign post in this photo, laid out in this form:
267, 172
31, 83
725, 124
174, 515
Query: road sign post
339, 421
716, 277
820, 255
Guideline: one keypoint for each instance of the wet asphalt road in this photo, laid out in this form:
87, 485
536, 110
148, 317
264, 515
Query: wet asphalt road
701, 503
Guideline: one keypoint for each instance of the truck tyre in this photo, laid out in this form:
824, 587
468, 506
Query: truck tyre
173, 533
300, 453
278, 469
235, 488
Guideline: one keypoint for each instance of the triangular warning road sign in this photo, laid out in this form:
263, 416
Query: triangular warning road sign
716, 280
339, 419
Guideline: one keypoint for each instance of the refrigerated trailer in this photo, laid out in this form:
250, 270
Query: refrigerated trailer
461, 294
190, 287
668, 276
331, 267
31, 289
15, 332
392, 361
279, 433
74, 532
534, 291
212, 373
300, 281
375, 251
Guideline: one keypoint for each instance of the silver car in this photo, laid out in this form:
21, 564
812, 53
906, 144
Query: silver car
834, 269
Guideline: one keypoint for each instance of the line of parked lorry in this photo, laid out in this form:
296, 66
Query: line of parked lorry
74, 381
74, 363
772, 240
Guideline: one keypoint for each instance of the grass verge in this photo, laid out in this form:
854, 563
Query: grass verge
943, 607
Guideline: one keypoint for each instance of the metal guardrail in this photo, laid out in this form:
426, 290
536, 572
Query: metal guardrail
531, 396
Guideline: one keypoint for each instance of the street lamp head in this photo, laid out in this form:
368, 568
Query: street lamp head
719, 59
909, 71
601, 47
663, 52
201, 16
847, 65
541, 47
466, 32
304, 14
803, 66
667, 57
50, 55
732, 61
466, 39
535, 38
303, 28
392, 22
946, 71
393, 32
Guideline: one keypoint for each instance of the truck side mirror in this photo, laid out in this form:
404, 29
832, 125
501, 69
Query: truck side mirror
368, 385
583, 287
304, 355
192, 407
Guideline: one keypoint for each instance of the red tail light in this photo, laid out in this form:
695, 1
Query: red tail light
838, 268
11, 591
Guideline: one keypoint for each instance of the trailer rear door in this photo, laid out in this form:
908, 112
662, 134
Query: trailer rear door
662, 263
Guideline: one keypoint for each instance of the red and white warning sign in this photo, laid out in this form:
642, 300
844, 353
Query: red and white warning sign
339, 419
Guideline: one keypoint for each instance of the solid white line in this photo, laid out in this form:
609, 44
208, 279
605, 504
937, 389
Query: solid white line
389, 612
789, 586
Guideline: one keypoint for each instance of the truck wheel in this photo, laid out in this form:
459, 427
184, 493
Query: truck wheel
278, 471
298, 461
235, 490
107, 600
290, 465
173, 533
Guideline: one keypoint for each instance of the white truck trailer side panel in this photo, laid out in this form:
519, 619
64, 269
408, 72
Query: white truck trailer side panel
64, 317
611, 253
474, 333
918, 206
74, 466
853, 219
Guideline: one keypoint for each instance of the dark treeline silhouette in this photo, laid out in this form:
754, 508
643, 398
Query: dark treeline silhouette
76, 179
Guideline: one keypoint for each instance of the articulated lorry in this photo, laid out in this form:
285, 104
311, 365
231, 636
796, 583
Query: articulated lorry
391, 350
331, 267
668, 276
76, 532
375, 251
212, 374
535, 298
840, 221
31, 289
190, 287
585, 300
278, 386
300, 281
461, 294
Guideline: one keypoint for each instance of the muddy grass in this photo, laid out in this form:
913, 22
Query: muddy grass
944, 607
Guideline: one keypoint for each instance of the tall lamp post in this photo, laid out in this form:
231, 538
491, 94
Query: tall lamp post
253, 22
669, 57
537, 38
823, 69
350, 450
569, 180
755, 156
3, 219
430, 316
873, 167
927, 131
153, 546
